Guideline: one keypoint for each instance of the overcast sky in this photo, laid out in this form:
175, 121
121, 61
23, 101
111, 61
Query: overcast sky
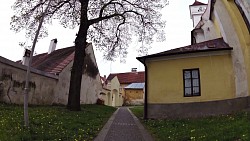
178, 28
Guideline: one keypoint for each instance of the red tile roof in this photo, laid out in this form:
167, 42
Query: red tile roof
54, 62
103, 78
197, 3
128, 77
211, 45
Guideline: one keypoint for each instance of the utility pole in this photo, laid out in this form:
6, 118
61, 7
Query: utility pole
26, 88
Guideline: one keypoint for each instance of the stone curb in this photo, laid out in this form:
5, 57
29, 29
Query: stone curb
146, 136
101, 136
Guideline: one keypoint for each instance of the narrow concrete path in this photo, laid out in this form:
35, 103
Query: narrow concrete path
123, 126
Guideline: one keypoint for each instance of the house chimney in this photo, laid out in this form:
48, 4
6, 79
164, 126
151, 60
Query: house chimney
52, 45
134, 70
104, 77
26, 57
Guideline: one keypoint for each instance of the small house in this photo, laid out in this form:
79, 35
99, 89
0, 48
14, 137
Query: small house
209, 77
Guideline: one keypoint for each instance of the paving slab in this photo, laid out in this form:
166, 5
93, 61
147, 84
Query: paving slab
123, 126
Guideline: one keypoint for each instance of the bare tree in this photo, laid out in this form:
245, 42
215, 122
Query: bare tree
108, 24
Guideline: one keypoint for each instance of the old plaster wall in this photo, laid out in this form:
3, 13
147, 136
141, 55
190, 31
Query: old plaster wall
12, 81
62, 87
115, 85
134, 96
90, 86
165, 84
106, 96
197, 109
117, 99
226, 14
226, 22
90, 90
122, 90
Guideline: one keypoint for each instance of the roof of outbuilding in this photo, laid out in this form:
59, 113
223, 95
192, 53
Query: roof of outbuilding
54, 62
128, 77
197, 3
210, 45
103, 78
135, 86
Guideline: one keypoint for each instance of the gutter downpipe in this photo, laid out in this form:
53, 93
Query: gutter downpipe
145, 112
146, 91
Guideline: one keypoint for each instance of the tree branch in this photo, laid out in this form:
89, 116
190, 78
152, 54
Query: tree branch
35, 7
117, 34
135, 5
96, 20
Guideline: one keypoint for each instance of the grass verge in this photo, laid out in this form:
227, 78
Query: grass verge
234, 127
52, 123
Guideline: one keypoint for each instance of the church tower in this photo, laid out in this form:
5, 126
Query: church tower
196, 11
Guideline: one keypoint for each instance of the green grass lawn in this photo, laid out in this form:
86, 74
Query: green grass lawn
235, 127
52, 123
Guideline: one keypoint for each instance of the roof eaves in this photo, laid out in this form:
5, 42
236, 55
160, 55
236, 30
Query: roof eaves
133, 88
180, 53
106, 89
141, 59
197, 3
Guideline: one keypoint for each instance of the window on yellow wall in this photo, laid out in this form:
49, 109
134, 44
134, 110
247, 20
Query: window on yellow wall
191, 78
243, 12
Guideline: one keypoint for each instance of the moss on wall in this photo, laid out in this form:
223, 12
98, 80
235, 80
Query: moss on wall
18, 84
7, 76
89, 67
1, 88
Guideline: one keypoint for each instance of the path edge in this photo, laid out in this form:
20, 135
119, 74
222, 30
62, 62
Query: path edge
103, 133
145, 134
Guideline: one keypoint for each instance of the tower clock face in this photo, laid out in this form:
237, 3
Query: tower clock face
200, 9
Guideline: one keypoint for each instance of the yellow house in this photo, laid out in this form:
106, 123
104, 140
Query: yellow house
211, 76
111, 95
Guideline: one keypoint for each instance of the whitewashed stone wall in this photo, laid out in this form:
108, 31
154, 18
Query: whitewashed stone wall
46, 89
12, 81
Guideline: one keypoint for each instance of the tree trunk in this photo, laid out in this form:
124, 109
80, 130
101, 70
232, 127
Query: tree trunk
77, 68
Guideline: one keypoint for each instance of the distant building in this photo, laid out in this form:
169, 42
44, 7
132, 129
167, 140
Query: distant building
134, 94
126, 79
